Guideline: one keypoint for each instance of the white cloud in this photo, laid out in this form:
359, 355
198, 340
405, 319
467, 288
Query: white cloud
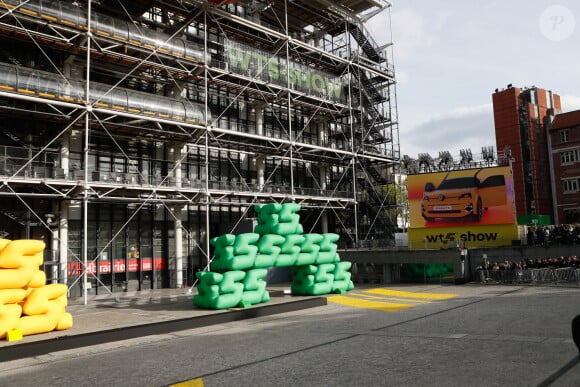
442, 17
464, 111
570, 102
402, 77
409, 34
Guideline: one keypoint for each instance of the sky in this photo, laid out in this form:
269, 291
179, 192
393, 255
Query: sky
451, 55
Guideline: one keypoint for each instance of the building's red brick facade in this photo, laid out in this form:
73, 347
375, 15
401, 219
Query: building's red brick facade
519, 124
565, 153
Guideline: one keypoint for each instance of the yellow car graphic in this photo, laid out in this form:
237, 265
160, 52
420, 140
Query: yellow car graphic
463, 196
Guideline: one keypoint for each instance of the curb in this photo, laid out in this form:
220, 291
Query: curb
37, 348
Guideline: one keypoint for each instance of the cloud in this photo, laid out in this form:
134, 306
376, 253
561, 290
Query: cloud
464, 111
409, 34
570, 102
458, 112
466, 127
402, 77
442, 17
408, 29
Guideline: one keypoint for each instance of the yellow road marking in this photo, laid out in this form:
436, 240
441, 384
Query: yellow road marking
389, 298
398, 293
189, 383
368, 304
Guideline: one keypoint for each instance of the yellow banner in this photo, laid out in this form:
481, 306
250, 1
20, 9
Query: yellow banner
466, 236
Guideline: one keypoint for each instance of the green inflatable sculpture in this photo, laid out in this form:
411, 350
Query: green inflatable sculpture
241, 261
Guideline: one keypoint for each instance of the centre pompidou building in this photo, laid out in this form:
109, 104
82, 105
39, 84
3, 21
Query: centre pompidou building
132, 132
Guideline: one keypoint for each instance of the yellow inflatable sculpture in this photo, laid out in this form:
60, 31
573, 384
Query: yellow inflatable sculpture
27, 304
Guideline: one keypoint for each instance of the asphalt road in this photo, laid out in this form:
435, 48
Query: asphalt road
473, 335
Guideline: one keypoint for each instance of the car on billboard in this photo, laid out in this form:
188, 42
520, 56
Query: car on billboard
463, 196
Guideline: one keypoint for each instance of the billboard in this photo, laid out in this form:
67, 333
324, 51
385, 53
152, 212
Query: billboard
468, 204
478, 196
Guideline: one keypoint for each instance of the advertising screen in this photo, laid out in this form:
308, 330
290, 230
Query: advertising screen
468, 197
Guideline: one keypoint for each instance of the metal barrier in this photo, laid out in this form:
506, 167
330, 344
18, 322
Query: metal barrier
367, 273
558, 276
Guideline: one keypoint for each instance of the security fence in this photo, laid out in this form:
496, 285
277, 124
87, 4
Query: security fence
556, 276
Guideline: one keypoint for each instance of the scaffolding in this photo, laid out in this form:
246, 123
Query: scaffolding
134, 131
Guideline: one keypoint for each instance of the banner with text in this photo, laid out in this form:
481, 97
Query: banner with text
132, 265
464, 236
274, 68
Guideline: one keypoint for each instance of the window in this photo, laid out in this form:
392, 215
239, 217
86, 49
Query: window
570, 185
569, 157
564, 136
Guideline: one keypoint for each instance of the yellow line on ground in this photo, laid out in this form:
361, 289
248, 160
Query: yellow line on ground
398, 293
189, 383
389, 298
367, 304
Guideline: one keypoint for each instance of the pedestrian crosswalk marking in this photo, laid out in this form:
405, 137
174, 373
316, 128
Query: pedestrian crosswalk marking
368, 304
398, 293
381, 299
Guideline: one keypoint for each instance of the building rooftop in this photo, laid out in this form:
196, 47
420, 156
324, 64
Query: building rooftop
566, 120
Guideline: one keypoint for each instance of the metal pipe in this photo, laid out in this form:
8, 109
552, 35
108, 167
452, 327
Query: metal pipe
31, 84
206, 166
88, 113
69, 15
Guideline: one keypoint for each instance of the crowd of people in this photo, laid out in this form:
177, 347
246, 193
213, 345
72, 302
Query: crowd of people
554, 235
553, 270
528, 263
